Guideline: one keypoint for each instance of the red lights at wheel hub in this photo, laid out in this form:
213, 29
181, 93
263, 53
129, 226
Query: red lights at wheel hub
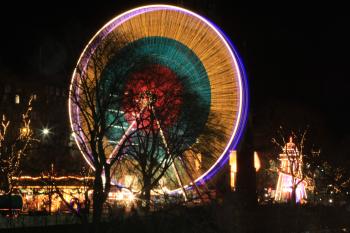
153, 93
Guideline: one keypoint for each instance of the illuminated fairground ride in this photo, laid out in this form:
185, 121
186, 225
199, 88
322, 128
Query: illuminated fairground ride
178, 68
290, 173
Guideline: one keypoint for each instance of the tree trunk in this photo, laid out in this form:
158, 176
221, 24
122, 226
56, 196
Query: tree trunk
99, 197
97, 213
294, 196
147, 194
97, 202
148, 199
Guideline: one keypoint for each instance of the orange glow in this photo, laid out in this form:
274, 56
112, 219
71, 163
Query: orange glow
257, 164
52, 177
233, 160
233, 168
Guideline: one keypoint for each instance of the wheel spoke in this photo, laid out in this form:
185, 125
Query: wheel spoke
168, 152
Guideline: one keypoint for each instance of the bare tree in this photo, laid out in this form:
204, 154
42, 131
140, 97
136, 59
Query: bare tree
301, 165
15, 141
166, 128
130, 112
96, 111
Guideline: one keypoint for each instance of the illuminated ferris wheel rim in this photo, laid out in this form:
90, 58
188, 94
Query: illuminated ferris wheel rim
238, 67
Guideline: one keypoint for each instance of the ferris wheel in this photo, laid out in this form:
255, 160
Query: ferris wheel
180, 70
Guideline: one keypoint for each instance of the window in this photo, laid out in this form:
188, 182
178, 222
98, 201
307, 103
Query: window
17, 99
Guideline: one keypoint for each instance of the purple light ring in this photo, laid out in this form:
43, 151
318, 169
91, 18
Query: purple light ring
239, 68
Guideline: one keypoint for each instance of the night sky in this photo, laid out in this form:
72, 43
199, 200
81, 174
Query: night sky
296, 58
